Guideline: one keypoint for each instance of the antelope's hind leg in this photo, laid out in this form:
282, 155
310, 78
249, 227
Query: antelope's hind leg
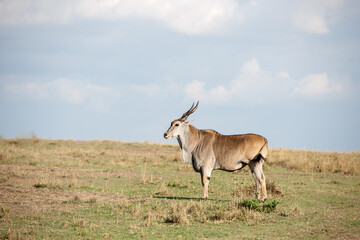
256, 167
257, 183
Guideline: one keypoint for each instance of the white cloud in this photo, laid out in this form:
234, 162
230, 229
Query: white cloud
254, 86
187, 16
252, 67
196, 90
64, 90
311, 16
251, 86
34, 11
318, 85
29, 89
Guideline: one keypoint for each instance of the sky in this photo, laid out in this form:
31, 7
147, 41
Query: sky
124, 69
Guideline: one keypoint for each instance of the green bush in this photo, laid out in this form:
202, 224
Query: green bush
40, 185
257, 205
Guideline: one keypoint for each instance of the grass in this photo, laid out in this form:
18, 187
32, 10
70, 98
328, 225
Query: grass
256, 205
115, 190
314, 161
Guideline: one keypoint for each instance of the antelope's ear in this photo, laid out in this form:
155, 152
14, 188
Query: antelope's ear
188, 123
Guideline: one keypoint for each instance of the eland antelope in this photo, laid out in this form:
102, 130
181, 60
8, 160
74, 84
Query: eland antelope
209, 150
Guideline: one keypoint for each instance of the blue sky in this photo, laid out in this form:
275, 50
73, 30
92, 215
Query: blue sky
124, 69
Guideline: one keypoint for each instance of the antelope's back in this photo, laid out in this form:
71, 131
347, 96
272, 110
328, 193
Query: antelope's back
232, 148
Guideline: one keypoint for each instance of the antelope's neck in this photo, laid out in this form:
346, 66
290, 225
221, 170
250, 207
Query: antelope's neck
189, 139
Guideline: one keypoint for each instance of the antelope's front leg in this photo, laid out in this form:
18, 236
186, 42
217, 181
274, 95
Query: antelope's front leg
205, 179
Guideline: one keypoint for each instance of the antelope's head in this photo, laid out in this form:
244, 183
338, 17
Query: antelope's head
178, 126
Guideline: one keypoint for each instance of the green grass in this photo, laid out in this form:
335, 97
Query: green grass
115, 190
256, 205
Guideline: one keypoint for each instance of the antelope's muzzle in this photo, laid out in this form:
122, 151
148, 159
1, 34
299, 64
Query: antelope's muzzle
166, 136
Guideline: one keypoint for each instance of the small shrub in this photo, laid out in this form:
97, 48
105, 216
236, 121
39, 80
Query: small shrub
176, 184
177, 214
3, 213
256, 205
251, 204
40, 185
270, 206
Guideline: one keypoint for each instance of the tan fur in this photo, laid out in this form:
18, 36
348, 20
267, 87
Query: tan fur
209, 150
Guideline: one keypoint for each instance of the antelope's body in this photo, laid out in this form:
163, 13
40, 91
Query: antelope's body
209, 150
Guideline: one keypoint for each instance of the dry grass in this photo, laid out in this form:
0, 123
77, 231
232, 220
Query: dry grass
302, 160
235, 212
80, 150
103, 189
78, 154
3, 213
248, 190
272, 189
178, 213
182, 213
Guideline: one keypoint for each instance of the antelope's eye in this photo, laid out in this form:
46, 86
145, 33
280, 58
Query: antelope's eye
176, 125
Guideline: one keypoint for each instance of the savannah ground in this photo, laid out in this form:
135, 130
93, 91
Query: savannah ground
116, 190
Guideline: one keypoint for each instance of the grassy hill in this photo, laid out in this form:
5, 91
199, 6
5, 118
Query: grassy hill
115, 190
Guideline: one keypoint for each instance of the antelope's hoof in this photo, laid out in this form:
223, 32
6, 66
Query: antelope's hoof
264, 200
203, 198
